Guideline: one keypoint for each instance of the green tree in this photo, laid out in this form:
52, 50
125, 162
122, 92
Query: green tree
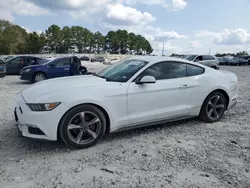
53, 38
99, 42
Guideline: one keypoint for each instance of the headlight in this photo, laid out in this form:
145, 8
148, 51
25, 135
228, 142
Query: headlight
43, 106
26, 70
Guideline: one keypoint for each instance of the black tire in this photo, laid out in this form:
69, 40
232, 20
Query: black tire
2, 75
35, 80
83, 70
213, 67
66, 120
204, 113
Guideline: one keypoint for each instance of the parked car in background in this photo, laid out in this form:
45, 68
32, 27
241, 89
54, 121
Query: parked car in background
58, 67
208, 60
246, 57
2, 68
98, 59
15, 64
112, 61
238, 61
223, 60
84, 58
148, 90
5, 58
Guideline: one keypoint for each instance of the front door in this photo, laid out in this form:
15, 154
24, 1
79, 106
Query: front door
59, 68
14, 66
167, 98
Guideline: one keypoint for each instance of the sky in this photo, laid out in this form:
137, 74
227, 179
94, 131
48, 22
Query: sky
183, 26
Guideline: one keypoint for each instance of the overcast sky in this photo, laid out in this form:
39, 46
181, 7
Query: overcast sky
185, 26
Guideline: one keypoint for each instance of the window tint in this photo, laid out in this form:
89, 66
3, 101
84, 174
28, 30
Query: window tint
17, 60
194, 70
207, 57
62, 62
166, 70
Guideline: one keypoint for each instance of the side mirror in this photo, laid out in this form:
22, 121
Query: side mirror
147, 80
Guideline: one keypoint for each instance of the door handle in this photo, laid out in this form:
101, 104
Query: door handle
66, 69
184, 86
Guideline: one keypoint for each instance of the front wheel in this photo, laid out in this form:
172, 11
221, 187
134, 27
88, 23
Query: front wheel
38, 77
213, 107
83, 126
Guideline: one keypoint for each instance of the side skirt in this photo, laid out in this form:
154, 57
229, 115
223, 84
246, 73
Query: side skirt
146, 124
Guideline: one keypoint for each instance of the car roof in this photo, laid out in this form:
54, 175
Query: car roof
155, 59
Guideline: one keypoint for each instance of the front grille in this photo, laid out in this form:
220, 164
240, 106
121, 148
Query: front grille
35, 131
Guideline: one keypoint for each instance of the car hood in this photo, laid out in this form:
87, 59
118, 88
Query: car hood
58, 86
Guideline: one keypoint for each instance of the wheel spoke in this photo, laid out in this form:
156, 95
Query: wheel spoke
82, 116
220, 106
73, 126
215, 114
79, 136
210, 104
91, 133
217, 98
93, 121
210, 112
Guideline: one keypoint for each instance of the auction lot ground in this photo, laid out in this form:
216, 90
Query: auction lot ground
182, 154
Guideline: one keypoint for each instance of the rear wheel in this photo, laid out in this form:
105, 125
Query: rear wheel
83, 126
213, 107
213, 67
38, 77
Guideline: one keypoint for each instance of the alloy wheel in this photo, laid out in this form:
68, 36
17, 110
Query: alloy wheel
215, 107
84, 128
39, 77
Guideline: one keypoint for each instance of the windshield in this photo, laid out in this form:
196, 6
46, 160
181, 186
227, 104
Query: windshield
47, 61
190, 57
123, 70
43, 61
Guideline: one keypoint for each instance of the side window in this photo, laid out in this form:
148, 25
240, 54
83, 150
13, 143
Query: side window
166, 70
207, 57
62, 62
30, 60
211, 57
18, 60
199, 58
194, 70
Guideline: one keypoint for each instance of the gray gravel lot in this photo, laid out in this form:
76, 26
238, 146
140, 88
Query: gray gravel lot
181, 154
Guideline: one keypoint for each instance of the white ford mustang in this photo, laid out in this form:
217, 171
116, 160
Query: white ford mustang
132, 93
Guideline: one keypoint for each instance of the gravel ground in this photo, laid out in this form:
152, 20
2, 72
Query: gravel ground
181, 154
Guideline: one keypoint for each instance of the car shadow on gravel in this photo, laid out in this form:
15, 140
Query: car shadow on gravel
21, 83
150, 129
14, 137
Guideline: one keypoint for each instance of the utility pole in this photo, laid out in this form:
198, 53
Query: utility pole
209, 51
163, 49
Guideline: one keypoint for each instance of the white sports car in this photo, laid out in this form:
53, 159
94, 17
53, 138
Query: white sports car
132, 93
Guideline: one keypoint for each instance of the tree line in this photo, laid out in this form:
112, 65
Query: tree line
16, 40
217, 54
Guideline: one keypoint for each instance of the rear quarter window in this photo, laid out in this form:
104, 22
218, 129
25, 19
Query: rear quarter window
193, 70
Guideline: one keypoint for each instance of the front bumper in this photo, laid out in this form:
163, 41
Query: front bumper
26, 76
38, 125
